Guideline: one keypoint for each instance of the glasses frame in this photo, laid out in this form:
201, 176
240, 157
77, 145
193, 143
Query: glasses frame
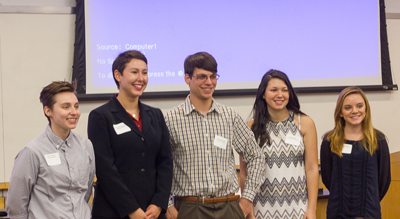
207, 77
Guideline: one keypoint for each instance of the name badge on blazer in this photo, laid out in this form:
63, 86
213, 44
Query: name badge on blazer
121, 128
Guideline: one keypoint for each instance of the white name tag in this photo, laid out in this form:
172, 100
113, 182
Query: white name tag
220, 142
121, 128
52, 159
347, 148
293, 140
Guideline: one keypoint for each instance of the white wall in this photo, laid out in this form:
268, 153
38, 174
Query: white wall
36, 49
29, 61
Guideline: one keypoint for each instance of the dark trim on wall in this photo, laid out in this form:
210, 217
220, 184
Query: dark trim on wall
392, 15
36, 10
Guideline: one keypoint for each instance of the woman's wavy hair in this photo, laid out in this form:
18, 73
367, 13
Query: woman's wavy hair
336, 136
260, 112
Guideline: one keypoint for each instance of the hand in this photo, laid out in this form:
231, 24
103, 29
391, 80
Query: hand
172, 213
310, 214
247, 206
138, 214
250, 216
153, 211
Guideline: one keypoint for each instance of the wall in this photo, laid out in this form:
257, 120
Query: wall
36, 49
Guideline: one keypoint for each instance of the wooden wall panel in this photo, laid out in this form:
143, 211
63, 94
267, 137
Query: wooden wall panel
390, 205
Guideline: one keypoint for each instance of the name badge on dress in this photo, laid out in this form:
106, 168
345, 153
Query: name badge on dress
53, 159
121, 128
292, 139
220, 142
347, 148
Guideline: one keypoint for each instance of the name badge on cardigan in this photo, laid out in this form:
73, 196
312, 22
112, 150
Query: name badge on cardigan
347, 148
121, 128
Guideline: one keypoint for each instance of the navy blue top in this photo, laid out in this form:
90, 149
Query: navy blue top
357, 181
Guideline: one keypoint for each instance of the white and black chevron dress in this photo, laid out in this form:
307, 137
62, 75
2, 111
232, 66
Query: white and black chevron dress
284, 192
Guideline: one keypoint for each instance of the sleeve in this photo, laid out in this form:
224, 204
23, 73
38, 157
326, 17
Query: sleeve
326, 163
384, 167
163, 167
168, 125
92, 170
247, 147
23, 179
116, 191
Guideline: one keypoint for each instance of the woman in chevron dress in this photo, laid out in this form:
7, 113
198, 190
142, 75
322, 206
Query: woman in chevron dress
289, 140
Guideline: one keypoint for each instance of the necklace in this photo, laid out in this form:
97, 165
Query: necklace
136, 113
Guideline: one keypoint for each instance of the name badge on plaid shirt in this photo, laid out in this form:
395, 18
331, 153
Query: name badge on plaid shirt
220, 142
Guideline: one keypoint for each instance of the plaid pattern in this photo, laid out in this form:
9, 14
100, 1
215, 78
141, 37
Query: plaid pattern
200, 167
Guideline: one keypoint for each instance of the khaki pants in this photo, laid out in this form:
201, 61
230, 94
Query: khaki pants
197, 210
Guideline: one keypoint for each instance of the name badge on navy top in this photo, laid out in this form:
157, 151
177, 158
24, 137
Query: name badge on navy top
292, 139
220, 142
121, 128
53, 159
347, 148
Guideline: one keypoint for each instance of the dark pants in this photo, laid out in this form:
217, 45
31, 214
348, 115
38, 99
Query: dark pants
197, 210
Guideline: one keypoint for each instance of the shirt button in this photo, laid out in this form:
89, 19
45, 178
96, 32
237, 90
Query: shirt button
72, 185
66, 153
70, 168
207, 151
142, 139
142, 170
206, 135
143, 154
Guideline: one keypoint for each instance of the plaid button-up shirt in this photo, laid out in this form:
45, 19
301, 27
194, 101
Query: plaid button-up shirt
200, 167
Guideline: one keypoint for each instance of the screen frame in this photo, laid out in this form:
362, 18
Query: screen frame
79, 68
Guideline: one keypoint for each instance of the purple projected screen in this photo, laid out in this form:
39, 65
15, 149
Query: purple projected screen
308, 40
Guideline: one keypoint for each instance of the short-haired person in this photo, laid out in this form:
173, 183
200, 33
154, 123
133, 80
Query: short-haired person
204, 134
288, 139
131, 143
355, 160
53, 174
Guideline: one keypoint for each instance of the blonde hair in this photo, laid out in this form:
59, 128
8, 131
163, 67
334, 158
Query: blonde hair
336, 136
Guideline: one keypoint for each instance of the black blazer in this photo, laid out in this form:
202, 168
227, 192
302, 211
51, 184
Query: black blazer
134, 168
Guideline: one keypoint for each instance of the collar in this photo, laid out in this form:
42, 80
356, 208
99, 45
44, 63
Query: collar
57, 141
189, 108
116, 105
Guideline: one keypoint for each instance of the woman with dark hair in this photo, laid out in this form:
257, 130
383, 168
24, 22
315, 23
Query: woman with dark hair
355, 160
53, 174
289, 140
131, 144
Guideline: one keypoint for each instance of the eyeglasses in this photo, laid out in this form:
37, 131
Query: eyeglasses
202, 77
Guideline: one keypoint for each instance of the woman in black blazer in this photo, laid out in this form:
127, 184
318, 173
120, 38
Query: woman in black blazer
132, 149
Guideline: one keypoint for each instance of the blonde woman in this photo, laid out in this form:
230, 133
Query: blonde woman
355, 161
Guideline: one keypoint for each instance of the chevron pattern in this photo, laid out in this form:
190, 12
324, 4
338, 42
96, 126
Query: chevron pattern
284, 192
278, 215
279, 192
